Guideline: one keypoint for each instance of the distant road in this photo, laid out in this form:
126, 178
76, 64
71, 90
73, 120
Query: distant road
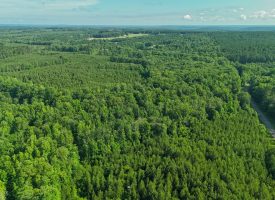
264, 119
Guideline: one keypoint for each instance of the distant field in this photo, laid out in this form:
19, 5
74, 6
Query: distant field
120, 37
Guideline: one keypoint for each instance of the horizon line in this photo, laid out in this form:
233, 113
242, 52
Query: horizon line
146, 25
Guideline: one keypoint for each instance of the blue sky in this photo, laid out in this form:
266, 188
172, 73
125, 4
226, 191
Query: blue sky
138, 12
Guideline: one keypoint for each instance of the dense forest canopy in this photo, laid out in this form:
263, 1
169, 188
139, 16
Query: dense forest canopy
162, 115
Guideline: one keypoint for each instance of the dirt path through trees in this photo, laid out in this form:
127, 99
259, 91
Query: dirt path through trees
264, 119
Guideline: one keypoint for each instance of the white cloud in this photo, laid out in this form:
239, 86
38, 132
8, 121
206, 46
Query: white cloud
237, 10
260, 14
187, 17
243, 17
232, 15
263, 14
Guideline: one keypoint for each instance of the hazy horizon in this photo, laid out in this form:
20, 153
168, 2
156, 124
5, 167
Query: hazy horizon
137, 13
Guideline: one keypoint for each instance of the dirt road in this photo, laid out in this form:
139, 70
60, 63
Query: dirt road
264, 119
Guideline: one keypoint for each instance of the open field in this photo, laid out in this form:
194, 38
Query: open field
131, 35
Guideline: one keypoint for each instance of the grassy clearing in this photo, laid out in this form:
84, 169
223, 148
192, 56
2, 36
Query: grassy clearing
131, 35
